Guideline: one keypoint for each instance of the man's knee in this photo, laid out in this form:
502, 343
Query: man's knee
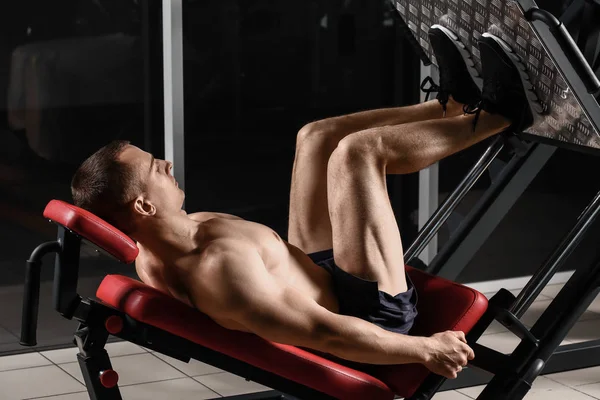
357, 150
323, 134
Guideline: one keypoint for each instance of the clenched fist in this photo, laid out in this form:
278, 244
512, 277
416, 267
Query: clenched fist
447, 353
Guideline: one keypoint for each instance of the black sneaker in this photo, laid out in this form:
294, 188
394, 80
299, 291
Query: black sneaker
507, 89
458, 76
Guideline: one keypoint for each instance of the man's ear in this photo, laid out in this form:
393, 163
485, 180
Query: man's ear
143, 207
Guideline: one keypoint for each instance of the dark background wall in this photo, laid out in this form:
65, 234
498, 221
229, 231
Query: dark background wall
77, 74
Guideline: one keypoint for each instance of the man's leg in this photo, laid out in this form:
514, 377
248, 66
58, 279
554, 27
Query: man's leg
366, 238
309, 226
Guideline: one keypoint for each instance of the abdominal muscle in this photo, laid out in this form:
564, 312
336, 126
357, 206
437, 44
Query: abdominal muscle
287, 265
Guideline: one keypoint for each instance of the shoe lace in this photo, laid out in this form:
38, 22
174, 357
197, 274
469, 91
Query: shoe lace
474, 109
442, 96
487, 102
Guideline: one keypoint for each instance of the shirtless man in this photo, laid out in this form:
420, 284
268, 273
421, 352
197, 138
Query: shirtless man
355, 301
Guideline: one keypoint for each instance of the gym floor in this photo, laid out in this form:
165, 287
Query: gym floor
55, 375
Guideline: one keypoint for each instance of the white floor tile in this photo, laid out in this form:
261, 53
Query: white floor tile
504, 342
36, 382
67, 355
19, 361
115, 349
472, 392
584, 330
450, 395
133, 369
516, 292
560, 394
552, 290
595, 306
541, 296
227, 384
541, 384
71, 396
592, 390
495, 327
537, 309
176, 389
193, 368
119, 349
577, 377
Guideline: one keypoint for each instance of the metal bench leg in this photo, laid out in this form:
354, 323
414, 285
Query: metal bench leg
100, 379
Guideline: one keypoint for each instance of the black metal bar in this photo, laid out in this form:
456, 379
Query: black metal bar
574, 356
92, 366
488, 359
93, 358
543, 275
66, 273
430, 386
489, 211
444, 211
268, 395
527, 361
562, 313
31, 295
565, 358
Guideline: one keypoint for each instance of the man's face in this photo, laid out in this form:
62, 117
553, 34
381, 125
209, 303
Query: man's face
162, 190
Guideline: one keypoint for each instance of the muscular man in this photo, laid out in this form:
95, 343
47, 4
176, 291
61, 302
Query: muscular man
355, 301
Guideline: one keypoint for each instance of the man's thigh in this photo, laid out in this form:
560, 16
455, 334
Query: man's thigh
309, 226
366, 237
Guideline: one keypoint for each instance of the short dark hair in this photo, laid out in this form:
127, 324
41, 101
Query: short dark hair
104, 186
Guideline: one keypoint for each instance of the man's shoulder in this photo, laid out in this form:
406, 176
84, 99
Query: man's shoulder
221, 251
205, 216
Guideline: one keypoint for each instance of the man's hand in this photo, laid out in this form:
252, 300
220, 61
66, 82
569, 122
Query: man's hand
447, 353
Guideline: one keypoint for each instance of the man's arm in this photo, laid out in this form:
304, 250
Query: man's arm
246, 293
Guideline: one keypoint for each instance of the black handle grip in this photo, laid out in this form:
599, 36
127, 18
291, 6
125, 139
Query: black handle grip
568, 46
31, 295
31, 300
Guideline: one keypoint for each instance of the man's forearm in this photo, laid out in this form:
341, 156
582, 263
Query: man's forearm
356, 340
293, 319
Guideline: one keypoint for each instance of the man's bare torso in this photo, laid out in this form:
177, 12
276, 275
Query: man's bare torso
186, 277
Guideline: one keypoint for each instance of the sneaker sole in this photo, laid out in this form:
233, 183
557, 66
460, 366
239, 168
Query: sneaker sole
532, 98
462, 49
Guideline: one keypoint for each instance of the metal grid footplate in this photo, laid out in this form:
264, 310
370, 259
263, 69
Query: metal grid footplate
563, 120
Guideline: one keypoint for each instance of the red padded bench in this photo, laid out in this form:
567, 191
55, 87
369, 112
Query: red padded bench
443, 305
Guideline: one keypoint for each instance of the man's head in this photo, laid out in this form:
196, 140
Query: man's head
125, 185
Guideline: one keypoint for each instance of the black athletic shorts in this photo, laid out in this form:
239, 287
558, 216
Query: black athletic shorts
363, 299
